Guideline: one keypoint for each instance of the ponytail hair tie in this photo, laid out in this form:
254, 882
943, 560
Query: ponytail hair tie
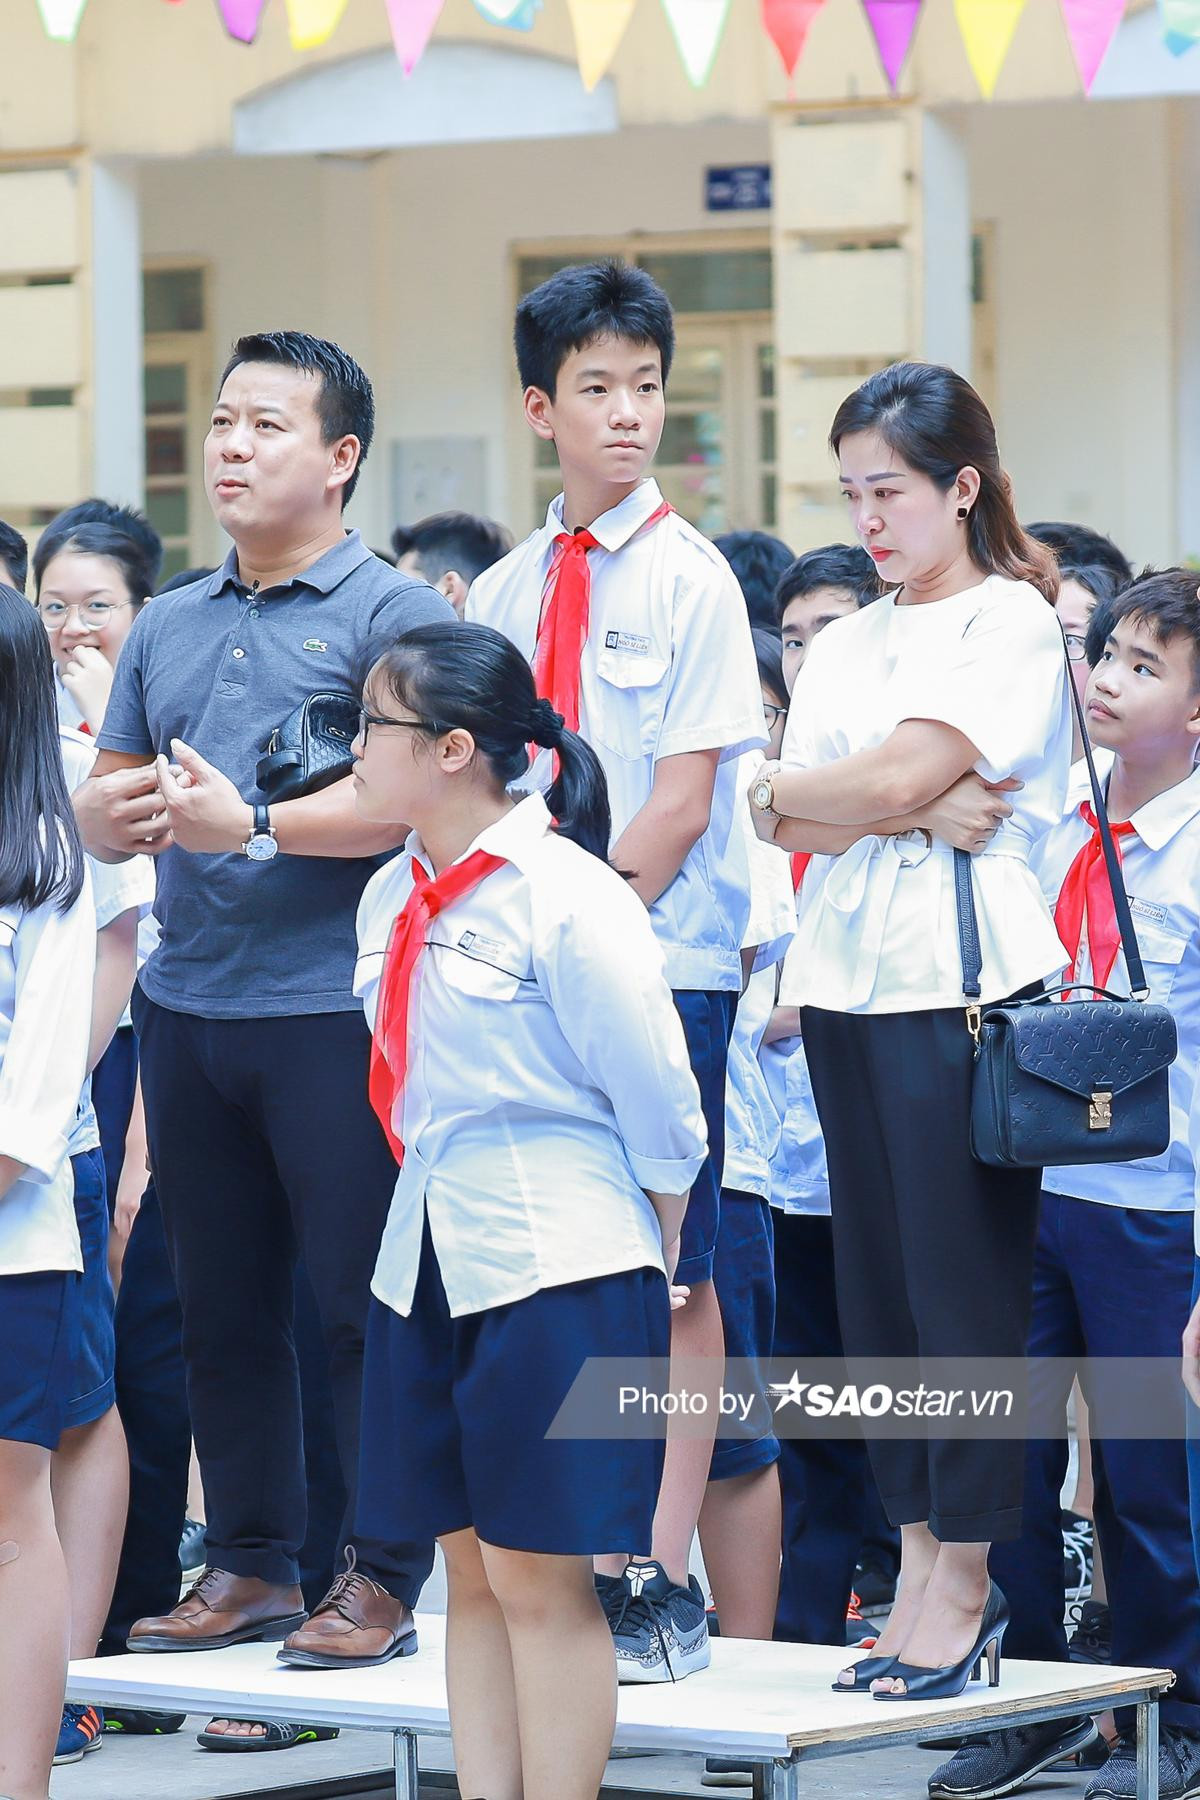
546, 727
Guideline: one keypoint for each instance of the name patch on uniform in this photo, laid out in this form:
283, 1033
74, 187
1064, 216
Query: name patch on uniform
314, 644
483, 946
1144, 909
628, 641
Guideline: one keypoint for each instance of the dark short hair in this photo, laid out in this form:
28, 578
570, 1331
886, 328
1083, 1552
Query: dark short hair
758, 560
768, 653
98, 528
14, 554
41, 855
185, 578
1167, 601
587, 301
1079, 547
1096, 578
452, 540
345, 404
844, 566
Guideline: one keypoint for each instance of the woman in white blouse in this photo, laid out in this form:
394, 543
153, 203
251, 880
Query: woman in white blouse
47, 964
532, 1076
937, 717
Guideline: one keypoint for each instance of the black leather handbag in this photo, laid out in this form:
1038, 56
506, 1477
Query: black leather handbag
1060, 1081
310, 749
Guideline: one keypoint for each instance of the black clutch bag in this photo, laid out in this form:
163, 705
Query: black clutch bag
310, 749
1061, 1081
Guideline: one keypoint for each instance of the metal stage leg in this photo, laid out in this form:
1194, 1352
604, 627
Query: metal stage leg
406, 1765
1147, 1750
785, 1780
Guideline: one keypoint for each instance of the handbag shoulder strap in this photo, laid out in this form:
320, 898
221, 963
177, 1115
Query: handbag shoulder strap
964, 890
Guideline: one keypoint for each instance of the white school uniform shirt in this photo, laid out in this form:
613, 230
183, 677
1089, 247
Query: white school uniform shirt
47, 972
116, 888
877, 929
668, 667
69, 713
548, 1080
1161, 871
799, 1171
752, 1122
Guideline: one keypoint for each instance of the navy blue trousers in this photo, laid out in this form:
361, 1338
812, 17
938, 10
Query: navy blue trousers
264, 1148
1193, 1449
831, 1506
1111, 1281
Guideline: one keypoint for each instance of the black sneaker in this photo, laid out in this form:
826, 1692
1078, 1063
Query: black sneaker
876, 1589
660, 1631
999, 1762
139, 1723
1091, 1640
1077, 1537
724, 1772
191, 1549
1178, 1767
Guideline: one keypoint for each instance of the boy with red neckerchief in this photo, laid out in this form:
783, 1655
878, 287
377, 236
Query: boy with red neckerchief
637, 633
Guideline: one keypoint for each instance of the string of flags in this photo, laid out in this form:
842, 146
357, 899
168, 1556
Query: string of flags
987, 28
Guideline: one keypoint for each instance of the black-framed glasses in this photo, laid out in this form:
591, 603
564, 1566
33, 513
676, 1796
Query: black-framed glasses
772, 714
367, 719
1076, 646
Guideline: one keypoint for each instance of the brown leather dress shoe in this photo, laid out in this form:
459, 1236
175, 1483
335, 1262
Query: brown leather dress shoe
357, 1625
221, 1609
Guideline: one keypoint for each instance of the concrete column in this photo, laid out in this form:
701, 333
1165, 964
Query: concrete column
117, 409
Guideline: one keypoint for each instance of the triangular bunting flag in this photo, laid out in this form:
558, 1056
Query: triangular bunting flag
893, 23
518, 15
1181, 24
599, 27
313, 22
61, 18
241, 18
787, 23
697, 25
1090, 26
987, 28
412, 23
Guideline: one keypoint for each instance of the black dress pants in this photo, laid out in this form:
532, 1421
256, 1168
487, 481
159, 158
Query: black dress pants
933, 1251
263, 1143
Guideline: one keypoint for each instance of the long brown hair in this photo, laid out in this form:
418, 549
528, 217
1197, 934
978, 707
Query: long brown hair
936, 421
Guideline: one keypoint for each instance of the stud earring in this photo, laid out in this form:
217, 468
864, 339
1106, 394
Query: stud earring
963, 511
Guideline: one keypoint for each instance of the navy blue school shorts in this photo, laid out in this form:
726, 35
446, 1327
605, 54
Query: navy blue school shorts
744, 1275
707, 1026
93, 1383
455, 1414
39, 1326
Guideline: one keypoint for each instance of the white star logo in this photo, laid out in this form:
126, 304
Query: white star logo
789, 1393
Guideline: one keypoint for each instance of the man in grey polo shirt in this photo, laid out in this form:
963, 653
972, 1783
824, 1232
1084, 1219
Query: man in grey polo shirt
254, 1050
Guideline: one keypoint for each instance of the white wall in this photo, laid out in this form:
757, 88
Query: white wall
1082, 204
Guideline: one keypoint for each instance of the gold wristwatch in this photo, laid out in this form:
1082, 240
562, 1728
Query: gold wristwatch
762, 794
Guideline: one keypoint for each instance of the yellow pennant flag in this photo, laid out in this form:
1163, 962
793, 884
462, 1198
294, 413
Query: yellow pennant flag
599, 27
313, 22
987, 28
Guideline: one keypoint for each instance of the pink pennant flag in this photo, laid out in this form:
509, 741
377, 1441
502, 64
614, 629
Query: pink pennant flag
412, 23
787, 23
241, 18
1091, 25
893, 23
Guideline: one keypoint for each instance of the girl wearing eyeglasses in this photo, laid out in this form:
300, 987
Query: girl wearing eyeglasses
531, 1073
94, 568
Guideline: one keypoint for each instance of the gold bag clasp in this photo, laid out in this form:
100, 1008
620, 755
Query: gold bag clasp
1100, 1112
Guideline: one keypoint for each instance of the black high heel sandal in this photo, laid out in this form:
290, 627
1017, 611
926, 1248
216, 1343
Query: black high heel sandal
871, 1668
945, 1683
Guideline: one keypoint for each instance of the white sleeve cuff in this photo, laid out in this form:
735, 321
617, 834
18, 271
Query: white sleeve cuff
665, 1176
43, 1157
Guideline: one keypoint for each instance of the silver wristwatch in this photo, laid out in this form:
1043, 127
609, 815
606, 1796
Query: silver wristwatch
261, 845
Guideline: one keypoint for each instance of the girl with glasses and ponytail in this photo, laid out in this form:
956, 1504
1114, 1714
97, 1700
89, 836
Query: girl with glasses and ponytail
532, 1077
938, 717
